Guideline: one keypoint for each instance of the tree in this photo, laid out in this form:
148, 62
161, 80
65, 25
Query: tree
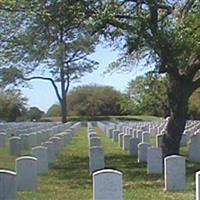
49, 38
94, 100
34, 113
166, 34
149, 95
54, 111
12, 105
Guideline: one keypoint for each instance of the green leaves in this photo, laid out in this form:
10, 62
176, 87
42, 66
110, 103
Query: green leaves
10, 76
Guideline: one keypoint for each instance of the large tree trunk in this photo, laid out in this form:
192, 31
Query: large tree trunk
64, 110
179, 93
63, 102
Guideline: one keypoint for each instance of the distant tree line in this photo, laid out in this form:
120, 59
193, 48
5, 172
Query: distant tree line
144, 95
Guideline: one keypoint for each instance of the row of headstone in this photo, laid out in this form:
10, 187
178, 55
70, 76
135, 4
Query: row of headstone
33, 135
137, 143
107, 183
29, 167
26, 141
140, 147
96, 154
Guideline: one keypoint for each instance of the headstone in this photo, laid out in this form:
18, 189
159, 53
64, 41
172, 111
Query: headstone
8, 187
194, 148
32, 140
139, 135
174, 173
198, 185
107, 185
57, 144
41, 153
154, 161
95, 141
15, 146
159, 138
142, 152
26, 168
133, 150
24, 141
184, 139
96, 160
146, 137
115, 134
120, 139
92, 134
50, 151
2, 139
126, 141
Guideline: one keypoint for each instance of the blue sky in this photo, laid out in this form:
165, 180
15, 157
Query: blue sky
42, 95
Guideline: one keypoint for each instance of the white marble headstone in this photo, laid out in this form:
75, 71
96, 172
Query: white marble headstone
107, 185
8, 187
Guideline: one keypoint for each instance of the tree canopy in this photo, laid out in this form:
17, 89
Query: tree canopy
148, 95
94, 100
46, 40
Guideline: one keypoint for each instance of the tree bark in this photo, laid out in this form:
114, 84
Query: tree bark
64, 110
63, 101
179, 93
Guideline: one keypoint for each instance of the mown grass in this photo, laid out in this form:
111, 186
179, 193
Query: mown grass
69, 177
108, 118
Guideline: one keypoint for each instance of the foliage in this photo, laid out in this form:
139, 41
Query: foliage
148, 95
194, 105
48, 41
12, 105
34, 113
94, 100
54, 111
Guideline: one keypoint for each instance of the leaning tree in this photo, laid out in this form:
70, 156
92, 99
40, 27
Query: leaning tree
46, 40
167, 35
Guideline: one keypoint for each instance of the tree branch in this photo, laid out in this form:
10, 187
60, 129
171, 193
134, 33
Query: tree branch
188, 5
192, 70
196, 84
67, 86
47, 79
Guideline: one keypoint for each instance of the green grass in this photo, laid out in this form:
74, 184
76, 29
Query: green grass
108, 118
69, 177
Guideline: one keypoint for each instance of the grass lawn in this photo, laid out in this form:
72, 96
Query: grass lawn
99, 118
69, 178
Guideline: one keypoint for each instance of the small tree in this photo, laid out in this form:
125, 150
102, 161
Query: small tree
47, 41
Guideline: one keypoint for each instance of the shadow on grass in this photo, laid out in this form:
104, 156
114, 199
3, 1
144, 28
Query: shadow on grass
74, 169
132, 170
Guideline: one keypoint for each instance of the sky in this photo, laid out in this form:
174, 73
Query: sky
42, 95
